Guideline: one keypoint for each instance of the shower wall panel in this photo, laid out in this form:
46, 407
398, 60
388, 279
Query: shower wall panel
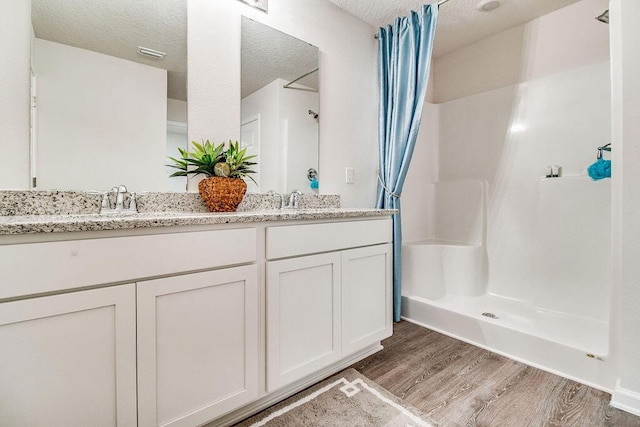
507, 137
574, 247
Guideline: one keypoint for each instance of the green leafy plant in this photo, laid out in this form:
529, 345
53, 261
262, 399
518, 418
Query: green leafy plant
239, 163
213, 160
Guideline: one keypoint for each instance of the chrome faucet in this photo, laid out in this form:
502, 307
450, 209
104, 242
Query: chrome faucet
114, 201
120, 197
133, 206
294, 199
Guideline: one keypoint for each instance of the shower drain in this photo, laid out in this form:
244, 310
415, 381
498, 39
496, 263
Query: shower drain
490, 315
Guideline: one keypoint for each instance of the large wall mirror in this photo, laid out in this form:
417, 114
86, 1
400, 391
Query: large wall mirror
280, 108
109, 103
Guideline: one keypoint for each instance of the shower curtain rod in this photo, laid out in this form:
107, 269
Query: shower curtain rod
288, 85
440, 3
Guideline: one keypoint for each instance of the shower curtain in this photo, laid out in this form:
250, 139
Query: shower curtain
404, 58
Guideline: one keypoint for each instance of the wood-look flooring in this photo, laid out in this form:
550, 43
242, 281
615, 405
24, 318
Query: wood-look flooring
458, 384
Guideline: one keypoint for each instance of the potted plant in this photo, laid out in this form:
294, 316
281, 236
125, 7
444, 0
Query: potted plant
223, 188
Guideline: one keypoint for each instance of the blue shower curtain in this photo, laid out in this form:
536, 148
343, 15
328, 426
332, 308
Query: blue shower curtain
404, 57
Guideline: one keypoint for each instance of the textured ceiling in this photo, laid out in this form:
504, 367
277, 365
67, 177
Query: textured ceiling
117, 28
460, 23
268, 54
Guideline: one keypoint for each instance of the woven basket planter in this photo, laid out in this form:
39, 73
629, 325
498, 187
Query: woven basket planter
222, 194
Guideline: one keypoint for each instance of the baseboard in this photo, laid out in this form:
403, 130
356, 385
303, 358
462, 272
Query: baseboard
279, 395
626, 400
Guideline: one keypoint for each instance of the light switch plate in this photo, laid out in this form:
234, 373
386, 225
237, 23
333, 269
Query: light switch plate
348, 175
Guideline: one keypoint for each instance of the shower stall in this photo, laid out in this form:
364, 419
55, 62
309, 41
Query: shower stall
509, 245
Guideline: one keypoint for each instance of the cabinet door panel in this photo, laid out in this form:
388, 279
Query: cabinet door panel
303, 317
197, 346
69, 360
366, 297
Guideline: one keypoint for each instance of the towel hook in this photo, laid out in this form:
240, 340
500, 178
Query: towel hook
606, 147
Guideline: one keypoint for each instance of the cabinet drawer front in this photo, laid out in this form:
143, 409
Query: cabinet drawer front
53, 266
293, 240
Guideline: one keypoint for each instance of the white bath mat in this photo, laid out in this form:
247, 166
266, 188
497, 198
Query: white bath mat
346, 399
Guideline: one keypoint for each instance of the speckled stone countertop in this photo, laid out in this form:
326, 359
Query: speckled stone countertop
56, 202
54, 211
27, 224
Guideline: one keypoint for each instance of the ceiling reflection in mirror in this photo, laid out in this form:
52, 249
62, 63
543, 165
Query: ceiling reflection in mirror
280, 108
103, 113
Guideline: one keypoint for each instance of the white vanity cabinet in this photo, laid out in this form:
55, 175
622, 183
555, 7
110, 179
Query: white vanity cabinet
70, 359
324, 307
178, 345
197, 346
181, 327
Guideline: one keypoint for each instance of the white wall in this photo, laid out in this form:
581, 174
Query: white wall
94, 106
176, 110
417, 195
625, 54
176, 137
15, 35
265, 103
567, 38
348, 83
288, 135
300, 136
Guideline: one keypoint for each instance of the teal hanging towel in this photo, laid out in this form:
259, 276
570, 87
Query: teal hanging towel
600, 169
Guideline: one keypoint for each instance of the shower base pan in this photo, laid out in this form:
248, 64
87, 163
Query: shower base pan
569, 346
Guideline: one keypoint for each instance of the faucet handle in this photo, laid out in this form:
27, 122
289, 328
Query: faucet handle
133, 206
293, 198
122, 190
105, 202
114, 191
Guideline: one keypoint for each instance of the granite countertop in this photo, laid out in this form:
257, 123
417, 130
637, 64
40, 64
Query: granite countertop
28, 224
